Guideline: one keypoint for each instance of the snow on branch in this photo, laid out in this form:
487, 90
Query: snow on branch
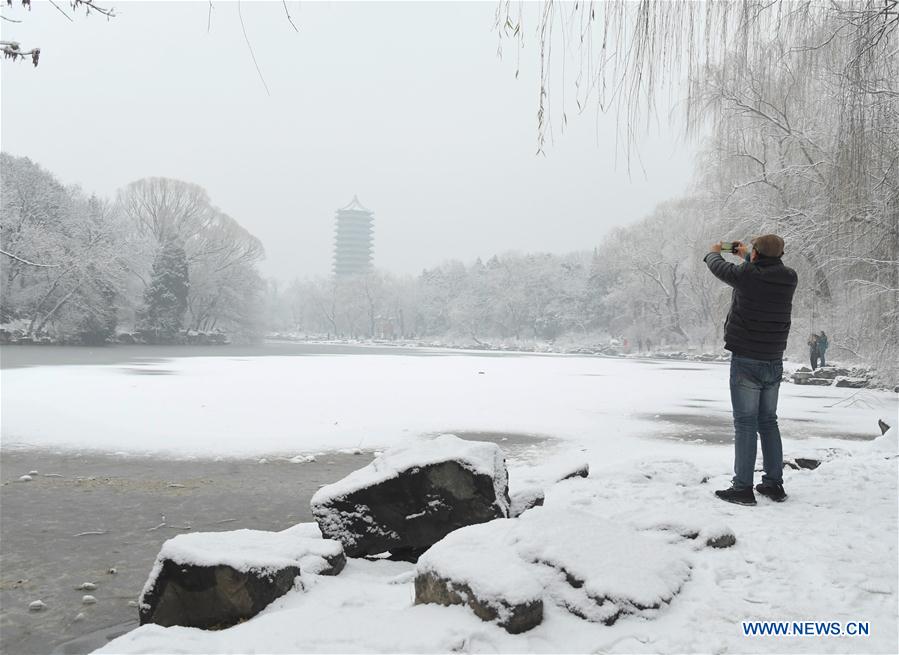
13, 49
25, 261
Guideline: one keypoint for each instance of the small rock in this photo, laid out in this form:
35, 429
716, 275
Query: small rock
87, 599
132, 603
25, 478
850, 383
725, 540
883, 426
112, 571
33, 473
807, 463
79, 617
263, 461
86, 586
37, 606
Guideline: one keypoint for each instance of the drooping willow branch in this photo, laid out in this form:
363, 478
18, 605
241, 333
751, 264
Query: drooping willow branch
627, 54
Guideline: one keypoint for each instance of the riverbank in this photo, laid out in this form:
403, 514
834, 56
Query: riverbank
83, 514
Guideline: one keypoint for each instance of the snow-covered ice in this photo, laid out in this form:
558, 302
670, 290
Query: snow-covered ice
209, 406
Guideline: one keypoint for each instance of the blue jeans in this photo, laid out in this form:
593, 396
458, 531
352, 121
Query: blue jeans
754, 384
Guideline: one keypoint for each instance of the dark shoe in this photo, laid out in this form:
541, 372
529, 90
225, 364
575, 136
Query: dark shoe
774, 491
737, 496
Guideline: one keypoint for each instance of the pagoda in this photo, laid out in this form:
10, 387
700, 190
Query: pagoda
353, 239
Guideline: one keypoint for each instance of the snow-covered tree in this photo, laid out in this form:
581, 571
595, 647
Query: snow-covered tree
165, 300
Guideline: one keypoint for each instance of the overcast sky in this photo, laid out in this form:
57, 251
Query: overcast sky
405, 105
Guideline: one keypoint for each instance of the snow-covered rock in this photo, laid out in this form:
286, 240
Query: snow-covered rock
830, 372
524, 499
887, 443
217, 579
850, 383
478, 566
412, 496
37, 606
528, 485
597, 570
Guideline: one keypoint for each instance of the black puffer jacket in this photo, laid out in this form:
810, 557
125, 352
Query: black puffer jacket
758, 323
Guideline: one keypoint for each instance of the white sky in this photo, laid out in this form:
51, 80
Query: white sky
404, 104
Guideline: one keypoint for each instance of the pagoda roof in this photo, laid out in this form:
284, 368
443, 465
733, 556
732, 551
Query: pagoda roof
355, 206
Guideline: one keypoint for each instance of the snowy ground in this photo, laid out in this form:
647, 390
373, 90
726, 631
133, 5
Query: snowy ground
829, 553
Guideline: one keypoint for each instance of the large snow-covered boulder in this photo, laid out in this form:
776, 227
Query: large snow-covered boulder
411, 497
218, 579
478, 566
596, 569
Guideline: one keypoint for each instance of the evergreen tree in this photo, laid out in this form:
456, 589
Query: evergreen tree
165, 300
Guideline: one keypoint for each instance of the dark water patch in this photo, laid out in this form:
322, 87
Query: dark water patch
133, 370
48, 526
20, 356
691, 420
94, 640
680, 368
718, 429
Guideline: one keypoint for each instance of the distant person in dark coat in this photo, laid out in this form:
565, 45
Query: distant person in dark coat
814, 350
823, 343
755, 333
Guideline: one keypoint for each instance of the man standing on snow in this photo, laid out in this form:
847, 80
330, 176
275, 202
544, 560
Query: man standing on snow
755, 333
822, 347
814, 351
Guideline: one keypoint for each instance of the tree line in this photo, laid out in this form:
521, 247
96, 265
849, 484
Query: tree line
796, 106
159, 262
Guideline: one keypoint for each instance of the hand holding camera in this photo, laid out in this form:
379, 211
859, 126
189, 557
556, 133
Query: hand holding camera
733, 247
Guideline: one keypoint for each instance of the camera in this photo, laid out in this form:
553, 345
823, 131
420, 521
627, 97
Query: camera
730, 246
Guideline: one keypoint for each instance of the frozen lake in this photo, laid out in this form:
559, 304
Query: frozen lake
286, 399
